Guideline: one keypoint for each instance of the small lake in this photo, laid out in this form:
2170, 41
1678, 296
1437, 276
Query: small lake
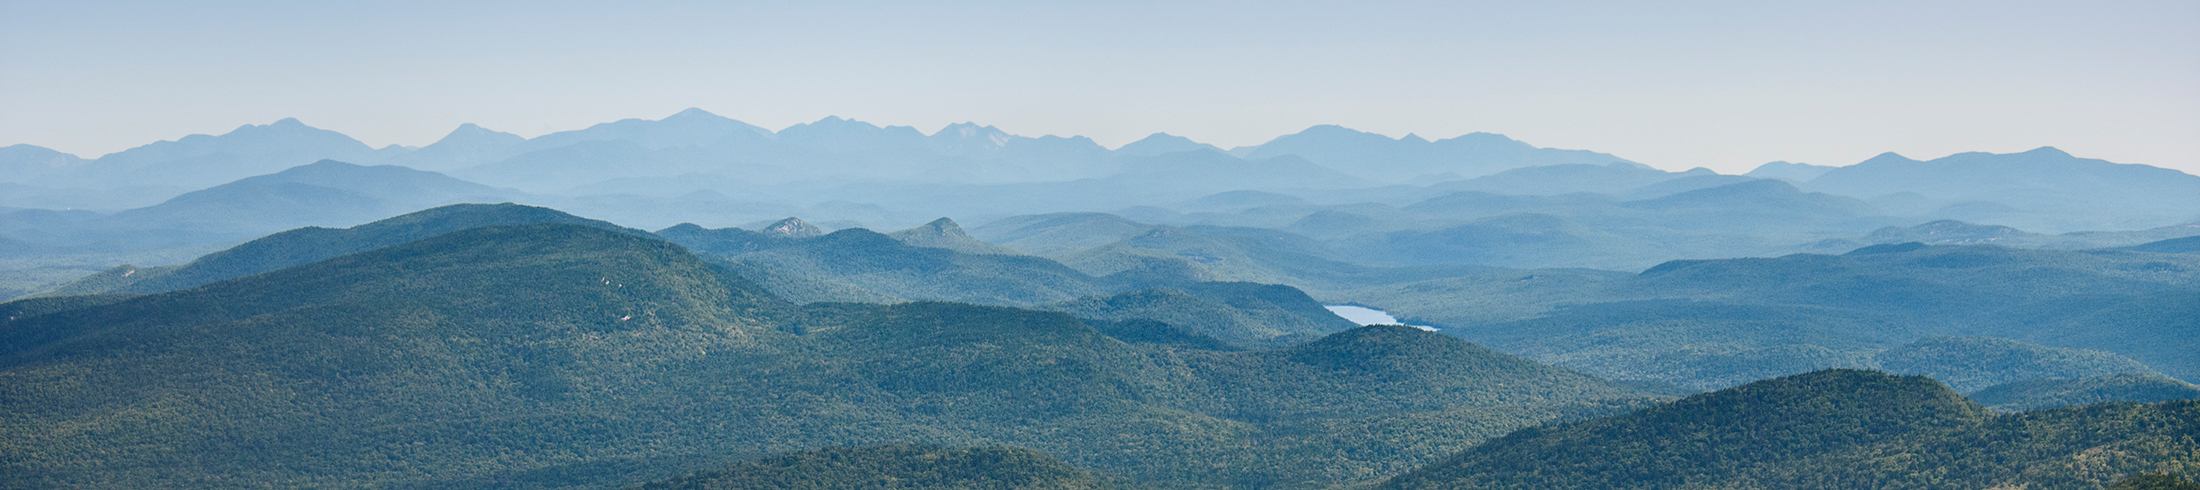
1369, 316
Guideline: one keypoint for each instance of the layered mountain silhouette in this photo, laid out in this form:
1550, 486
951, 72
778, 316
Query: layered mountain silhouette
489, 354
2043, 393
1789, 171
2044, 189
308, 245
467, 146
325, 193
1162, 143
1707, 324
1412, 158
199, 160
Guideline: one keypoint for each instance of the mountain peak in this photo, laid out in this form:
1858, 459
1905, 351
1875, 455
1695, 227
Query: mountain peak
471, 130
2049, 151
693, 113
945, 233
792, 228
944, 223
966, 129
970, 134
1159, 143
248, 128
1332, 129
1888, 157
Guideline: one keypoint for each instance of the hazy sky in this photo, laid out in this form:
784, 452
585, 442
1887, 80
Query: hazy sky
1725, 85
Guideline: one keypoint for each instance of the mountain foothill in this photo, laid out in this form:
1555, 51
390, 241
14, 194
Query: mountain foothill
285, 306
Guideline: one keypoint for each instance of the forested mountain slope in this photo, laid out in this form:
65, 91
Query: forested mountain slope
489, 356
313, 244
1833, 429
893, 467
1715, 323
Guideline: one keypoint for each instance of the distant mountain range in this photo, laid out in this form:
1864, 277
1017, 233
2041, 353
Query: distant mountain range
696, 140
632, 170
325, 193
2043, 189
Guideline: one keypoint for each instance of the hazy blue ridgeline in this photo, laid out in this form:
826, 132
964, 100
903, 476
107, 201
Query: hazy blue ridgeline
795, 234
1340, 195
892, 177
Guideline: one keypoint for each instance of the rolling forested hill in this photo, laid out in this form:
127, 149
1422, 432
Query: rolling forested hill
313, 244
1833, 429
509, 354
893, 467
1715, 323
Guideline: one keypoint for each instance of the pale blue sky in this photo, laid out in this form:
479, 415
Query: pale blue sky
1725, 85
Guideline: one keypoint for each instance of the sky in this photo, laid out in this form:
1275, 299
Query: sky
1722, 85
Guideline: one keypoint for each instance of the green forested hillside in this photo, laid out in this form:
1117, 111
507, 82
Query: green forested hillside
1970, 364
892, 467
1242, 314
1707, 324
858, 265
307, 245
945, 233
2154, 481
1716, 323
564, 355
2034, 394
1833, 429
1151, 255
861, 265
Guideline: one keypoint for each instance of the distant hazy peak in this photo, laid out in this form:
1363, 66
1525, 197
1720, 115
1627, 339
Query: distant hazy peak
1332, 130
1799, 172
693, 113
966, 129
830, 121
1413, 138
2049, 151
286, 125
943, 224
1160, 143
28, 151
1888, 157
471, 131
840, 125
942, 227
970, 134
792, 228
469, 128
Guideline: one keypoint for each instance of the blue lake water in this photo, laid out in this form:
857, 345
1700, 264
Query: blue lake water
1369, 316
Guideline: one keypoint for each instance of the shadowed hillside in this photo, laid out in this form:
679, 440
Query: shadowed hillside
1831, 429
896, 467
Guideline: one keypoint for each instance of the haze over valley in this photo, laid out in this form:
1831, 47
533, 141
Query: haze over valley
1150, 246
2032, 280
